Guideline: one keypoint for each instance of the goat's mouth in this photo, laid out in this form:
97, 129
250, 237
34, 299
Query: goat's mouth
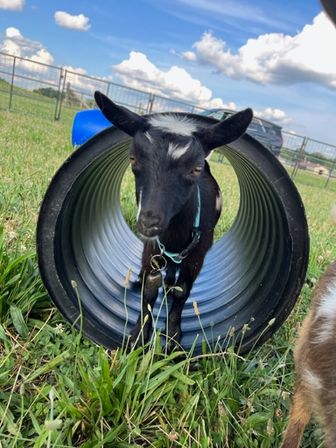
150, 233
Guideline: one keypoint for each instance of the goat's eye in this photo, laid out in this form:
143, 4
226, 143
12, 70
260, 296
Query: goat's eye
196, 171
132, 160
135, 166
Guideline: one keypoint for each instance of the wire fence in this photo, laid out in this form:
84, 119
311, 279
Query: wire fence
33, 87
304, 157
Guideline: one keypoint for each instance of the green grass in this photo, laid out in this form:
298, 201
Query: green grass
316, 180
60, 390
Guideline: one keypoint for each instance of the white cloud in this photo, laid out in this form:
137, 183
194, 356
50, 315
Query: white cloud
16, 44
189, 56
66, 20
75, 79
43, 56
14, 5
12, 32
140, 73
276, 58
76, 70
231, 105
273, 114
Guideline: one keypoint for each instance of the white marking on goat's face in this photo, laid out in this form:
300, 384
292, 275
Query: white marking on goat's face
174, 124
148, 136
139, 206
219, 201
327, 312
312, 379
175, 151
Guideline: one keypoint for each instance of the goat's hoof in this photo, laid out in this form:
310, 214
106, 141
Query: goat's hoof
173, 342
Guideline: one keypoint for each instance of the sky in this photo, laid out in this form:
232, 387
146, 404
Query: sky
277, 57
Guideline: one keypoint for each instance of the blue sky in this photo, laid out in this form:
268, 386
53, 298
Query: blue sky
273, 56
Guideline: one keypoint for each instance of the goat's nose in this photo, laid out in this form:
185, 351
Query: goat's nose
149, 223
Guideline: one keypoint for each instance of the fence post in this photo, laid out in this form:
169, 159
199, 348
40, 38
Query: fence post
150, 103
12, 85
60, 94
330, 173
298, 158
108, 89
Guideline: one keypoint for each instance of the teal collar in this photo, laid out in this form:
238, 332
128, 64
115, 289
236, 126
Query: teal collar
178, 257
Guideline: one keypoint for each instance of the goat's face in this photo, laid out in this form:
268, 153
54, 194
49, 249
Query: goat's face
167, 156
166, 168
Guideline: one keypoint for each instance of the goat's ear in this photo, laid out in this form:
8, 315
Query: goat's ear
226, 131
122, 118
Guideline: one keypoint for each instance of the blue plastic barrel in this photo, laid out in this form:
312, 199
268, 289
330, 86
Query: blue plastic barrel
87, 123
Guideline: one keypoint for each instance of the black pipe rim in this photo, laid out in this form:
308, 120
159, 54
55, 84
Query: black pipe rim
70, 253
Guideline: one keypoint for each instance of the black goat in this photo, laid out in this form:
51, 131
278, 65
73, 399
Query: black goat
179, 201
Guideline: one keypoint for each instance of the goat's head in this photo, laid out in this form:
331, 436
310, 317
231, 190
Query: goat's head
167, 156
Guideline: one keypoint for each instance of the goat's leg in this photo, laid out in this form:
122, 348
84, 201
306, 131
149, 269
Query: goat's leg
179, 295
189, 270
299, 417
169, 280
142, 329
150, 284
330, 436
325, 408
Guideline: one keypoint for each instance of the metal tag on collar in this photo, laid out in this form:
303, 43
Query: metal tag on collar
155, 262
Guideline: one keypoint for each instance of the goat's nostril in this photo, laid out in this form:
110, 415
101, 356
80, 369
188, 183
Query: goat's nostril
148, 220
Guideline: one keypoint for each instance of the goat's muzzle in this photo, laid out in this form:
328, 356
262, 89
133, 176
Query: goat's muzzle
149, 224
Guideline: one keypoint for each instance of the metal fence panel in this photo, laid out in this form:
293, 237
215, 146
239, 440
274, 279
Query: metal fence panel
6, 79
31, 86
162, 104
312, 160
76, 92
134, 99
28, 86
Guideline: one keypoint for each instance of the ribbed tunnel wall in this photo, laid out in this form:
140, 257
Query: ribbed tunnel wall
252, 274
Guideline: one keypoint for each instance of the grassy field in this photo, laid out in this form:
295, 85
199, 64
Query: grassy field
58, 389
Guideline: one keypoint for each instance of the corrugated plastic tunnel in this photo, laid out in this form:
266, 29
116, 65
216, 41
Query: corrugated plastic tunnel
252, 275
